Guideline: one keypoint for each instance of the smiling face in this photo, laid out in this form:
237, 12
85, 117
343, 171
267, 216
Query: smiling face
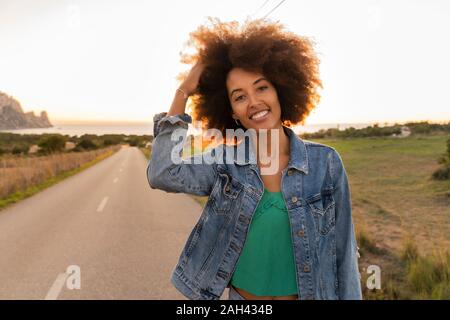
253, 99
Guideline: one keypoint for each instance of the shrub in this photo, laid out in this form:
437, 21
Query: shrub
86, 144
16, 150
108, 142
51, 144
134, 142
443, 173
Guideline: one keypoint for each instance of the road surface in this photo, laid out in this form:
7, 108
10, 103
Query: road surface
124, 237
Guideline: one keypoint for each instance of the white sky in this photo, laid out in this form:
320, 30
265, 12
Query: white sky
117, 60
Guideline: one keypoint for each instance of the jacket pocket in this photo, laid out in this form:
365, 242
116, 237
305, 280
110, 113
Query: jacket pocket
193, 239
225, 193
322, 206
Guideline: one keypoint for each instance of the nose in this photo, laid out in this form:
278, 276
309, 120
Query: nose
254, 101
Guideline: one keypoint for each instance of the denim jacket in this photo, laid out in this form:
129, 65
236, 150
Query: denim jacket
315, 189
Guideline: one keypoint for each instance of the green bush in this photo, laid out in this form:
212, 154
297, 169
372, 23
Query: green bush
443, 173
134, 142
53, 143
16, 150
108, 142
86, 144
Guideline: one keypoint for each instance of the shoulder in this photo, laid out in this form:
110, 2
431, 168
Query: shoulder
319, 149
313, 144
323, 153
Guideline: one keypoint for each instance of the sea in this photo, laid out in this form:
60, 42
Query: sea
146, 128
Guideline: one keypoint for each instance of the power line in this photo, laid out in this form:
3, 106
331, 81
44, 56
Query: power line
279, 4
260, 7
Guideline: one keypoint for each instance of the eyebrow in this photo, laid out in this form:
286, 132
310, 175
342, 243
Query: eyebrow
239, 89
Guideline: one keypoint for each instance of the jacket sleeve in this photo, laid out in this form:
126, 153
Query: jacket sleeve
349, 283
191, 175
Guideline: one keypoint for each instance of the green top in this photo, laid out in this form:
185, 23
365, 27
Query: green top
266, 266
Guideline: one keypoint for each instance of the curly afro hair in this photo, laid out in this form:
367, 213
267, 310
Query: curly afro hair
287, 60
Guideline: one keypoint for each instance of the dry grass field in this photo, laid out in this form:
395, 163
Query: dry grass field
22, 176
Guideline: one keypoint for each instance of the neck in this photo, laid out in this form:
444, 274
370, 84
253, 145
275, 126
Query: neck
275, 143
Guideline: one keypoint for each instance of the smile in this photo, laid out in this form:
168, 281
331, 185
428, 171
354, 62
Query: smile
260, 115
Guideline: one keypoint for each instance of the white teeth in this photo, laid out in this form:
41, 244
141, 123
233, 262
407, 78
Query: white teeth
259, 114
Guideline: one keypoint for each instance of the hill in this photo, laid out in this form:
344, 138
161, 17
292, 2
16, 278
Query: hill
13, 117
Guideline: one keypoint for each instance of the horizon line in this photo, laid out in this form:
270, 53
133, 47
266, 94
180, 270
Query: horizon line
141, 122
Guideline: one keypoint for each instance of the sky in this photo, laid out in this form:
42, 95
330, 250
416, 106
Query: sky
117, 60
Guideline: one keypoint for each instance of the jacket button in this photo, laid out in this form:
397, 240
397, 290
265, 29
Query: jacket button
227, 188
306, 268
294, 199
290, 172
301, 233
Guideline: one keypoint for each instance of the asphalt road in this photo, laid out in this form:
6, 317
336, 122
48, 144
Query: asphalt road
124, 237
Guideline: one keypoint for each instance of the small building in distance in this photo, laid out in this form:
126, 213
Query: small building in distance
405, 131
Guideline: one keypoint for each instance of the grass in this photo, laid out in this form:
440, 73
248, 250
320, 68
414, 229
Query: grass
366, 243
407, 274
35, 188
427, 277
393, 193
146, 152
402, 215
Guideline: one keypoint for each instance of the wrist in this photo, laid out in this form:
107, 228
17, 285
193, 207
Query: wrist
184, 92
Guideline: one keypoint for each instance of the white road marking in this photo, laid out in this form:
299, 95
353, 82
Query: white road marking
115, 180
102, 204
57, 286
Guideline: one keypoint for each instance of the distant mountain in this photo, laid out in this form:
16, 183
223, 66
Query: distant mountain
13, 117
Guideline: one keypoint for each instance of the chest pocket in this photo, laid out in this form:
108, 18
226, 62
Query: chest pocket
322, 206
225, 193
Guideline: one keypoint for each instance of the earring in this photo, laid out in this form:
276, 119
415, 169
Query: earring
238, 124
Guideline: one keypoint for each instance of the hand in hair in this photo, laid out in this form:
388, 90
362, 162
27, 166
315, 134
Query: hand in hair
190, 84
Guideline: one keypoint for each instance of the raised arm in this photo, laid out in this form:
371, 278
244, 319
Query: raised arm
192, 175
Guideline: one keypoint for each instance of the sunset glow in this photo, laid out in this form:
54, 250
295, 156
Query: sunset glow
381, 61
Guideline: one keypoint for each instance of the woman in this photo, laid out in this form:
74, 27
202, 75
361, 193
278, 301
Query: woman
278, 223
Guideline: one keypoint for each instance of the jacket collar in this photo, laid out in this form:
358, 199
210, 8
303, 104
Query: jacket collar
298, 153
